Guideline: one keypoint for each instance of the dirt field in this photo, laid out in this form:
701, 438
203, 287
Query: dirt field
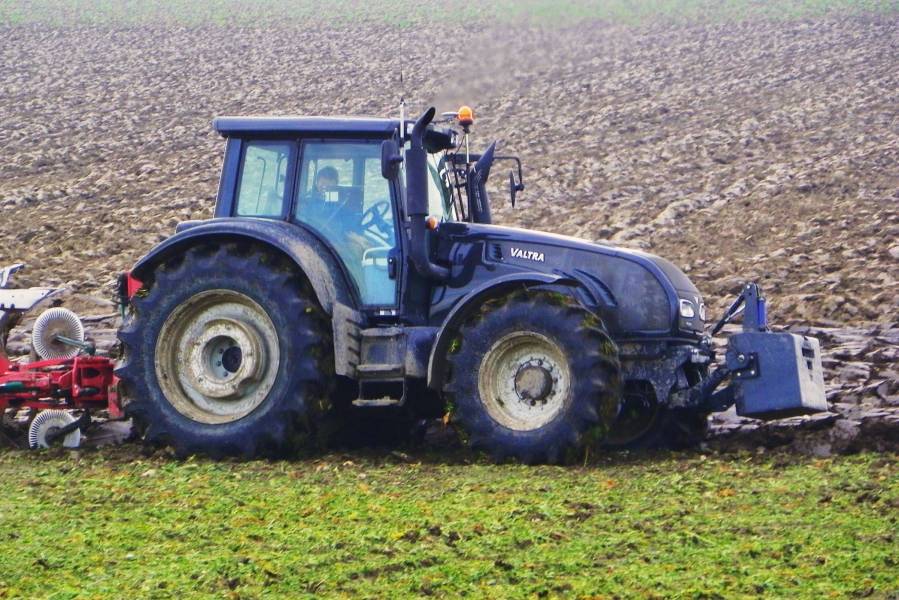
741, 149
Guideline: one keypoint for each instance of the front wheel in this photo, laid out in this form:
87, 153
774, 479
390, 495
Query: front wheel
227, 353
531, 377
644, 423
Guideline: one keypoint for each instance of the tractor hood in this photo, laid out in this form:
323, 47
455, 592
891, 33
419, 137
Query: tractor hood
646, 291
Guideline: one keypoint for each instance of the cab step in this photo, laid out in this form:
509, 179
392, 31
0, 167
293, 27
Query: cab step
376, 402
380, 370
381, 392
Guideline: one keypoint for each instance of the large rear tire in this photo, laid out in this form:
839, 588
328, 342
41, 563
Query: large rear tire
226, 354
533, 376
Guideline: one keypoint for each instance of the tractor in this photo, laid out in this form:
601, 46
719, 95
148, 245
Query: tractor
352, 268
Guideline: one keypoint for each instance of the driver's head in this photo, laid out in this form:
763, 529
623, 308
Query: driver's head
326, 179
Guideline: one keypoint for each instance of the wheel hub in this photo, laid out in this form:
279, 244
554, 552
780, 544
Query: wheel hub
217, 356
231, 358
226, 357
533, 383
524, 381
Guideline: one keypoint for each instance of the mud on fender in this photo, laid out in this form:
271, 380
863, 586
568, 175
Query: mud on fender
776, 374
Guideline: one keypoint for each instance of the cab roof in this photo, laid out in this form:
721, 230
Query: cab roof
274, 126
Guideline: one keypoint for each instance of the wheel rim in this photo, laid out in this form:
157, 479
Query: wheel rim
524, 381
638, 416
217, 356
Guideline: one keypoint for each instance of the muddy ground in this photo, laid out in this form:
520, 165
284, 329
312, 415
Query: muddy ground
758, 150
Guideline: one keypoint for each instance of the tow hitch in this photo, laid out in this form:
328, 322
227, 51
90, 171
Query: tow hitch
773, 375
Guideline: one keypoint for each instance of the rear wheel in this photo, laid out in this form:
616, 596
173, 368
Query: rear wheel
226, 354
531, 377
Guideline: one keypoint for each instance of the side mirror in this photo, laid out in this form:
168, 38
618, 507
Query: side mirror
390, 159
514, 188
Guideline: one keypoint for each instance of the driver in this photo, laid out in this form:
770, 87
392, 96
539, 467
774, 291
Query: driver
325, 181
317, 206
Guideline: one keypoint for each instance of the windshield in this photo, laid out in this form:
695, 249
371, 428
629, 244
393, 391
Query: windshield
440, 203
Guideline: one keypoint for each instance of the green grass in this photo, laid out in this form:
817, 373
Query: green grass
409, 12
115, 525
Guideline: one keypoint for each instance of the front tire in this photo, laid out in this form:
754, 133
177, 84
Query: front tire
227, 353
532, 376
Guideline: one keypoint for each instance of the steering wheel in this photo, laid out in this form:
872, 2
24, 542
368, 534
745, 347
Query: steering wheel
373, 220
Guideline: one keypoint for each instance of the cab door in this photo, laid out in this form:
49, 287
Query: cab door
343, 196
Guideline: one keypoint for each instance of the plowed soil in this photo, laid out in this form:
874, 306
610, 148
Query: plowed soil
755, 150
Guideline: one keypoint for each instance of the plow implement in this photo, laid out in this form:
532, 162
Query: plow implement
67, 377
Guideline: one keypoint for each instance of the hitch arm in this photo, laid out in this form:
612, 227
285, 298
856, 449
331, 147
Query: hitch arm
703, 394
753, 306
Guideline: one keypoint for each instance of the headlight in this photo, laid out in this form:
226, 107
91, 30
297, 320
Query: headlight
687, 310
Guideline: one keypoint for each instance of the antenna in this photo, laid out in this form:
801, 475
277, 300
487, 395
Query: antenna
402, 117
402, 95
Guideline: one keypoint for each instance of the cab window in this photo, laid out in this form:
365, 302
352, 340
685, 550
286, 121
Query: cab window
263, 175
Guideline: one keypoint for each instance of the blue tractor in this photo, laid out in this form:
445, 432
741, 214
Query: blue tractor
352, 268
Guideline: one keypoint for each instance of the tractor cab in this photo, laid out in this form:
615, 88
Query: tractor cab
345, 180
324, 175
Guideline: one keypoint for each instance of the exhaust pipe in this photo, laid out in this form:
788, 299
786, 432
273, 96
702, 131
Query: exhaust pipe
417, 201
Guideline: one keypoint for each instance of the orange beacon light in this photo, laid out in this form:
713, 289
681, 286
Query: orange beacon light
465, 116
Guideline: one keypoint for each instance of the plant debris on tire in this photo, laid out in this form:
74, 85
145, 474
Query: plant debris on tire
532, 376
227, 353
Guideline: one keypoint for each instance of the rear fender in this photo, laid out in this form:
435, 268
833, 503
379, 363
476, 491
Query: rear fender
303, 246
471, 302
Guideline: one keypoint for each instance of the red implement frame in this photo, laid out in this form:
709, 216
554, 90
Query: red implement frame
83, 382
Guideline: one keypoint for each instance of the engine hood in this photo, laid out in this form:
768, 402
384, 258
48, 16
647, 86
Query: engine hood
645, 289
